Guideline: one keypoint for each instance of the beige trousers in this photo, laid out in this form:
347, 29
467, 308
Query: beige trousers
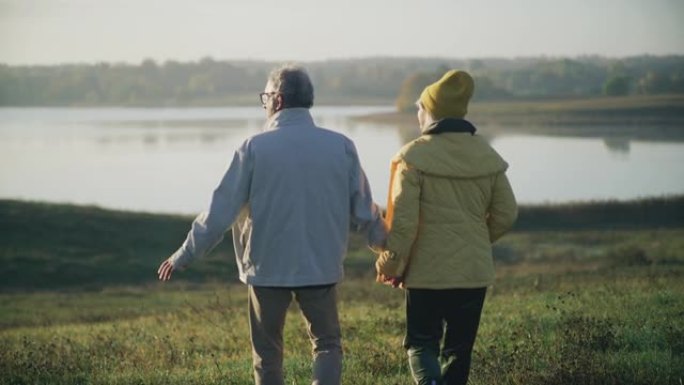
267, 311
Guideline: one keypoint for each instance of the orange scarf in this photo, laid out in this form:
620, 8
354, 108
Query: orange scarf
389, 215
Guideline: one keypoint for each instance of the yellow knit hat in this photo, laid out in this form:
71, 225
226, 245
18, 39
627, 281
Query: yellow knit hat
448, 97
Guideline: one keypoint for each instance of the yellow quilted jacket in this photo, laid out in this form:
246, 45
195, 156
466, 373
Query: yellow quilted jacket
449, 200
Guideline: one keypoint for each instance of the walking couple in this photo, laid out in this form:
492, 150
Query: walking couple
293, 192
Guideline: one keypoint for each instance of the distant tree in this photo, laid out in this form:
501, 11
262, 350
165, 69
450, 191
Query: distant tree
358, 81
654, 83
617, 86
566, 78
485, 89
411, 88
677, 82
475, 65
207, 61
149, 64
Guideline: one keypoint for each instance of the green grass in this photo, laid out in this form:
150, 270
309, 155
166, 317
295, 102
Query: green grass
579, 304
619, 328
44, 246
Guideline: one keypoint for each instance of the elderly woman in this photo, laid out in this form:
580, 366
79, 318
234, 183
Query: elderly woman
449, 200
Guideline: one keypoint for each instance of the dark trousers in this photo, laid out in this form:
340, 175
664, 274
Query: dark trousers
433, 316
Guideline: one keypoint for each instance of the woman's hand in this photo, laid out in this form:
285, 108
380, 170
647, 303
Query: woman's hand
390, 264
387, 266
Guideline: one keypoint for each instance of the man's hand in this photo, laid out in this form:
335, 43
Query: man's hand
165, 270
393, 281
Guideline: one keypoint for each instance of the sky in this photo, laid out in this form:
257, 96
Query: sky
89, 31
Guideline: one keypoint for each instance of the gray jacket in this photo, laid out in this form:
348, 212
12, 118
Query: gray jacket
291, 195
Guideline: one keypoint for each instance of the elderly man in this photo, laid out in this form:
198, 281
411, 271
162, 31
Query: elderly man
291, 194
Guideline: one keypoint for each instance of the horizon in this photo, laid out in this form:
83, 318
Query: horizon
342, 59
49, 32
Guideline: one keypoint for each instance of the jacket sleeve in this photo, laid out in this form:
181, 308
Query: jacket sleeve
365, 215
404, 227
503, 210
228, 199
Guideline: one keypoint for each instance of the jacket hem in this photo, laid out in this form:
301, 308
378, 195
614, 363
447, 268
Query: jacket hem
270, 282
459, 285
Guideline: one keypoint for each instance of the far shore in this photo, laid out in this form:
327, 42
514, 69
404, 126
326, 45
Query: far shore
656, 117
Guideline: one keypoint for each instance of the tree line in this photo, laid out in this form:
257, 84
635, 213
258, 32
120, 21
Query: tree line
353, 81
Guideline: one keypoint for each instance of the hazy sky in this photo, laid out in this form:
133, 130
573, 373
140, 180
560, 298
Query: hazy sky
58, 31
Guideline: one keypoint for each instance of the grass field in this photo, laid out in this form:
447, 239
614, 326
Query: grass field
578, 304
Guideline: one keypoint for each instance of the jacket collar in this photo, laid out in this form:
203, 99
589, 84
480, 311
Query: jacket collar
289, 117
450, 125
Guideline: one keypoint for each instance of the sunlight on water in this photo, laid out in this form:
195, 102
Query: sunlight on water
554, 169
169, 160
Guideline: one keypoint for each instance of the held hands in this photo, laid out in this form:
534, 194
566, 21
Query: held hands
385, 269
391, 281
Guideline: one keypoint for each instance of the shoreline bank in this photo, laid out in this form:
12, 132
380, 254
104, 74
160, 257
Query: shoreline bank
638, 117
65, 247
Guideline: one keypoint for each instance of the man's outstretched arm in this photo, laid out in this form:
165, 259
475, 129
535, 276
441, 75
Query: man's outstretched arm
209, 227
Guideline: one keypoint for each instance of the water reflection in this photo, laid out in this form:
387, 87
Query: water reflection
150, 140
618, 146
180, 154
169, 124
159, 135
163, 138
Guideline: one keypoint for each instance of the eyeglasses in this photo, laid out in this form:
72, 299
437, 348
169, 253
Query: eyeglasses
264, 96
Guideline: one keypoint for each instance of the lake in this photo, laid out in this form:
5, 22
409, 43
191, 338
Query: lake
170, 159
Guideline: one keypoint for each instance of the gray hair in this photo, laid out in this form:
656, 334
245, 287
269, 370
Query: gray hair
294, 84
